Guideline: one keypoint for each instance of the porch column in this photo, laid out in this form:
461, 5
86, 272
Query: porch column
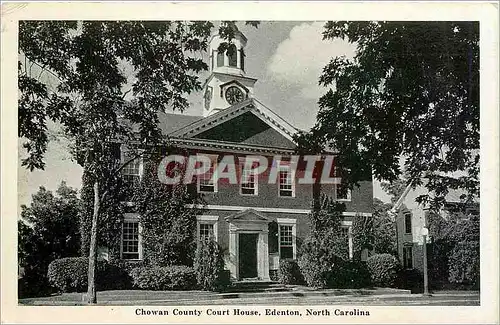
263, 256
233, 254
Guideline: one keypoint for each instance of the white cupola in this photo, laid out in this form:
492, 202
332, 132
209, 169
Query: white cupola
225, 63
227, 84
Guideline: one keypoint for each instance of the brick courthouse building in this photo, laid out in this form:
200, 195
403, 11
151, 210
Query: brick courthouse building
257, 223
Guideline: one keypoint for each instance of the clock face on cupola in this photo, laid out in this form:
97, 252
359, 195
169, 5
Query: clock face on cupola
234, 95
228, 83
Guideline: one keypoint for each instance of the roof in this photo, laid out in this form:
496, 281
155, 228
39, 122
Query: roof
250, 104
171, 122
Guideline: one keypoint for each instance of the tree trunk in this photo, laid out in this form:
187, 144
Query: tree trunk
91, 292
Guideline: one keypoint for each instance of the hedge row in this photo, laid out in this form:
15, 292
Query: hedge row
71, 274
164, 278
347, 274
379, 270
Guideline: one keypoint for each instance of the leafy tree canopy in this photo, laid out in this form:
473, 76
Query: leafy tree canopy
48, 229
85, 92
412, 90
384, 229
73, 73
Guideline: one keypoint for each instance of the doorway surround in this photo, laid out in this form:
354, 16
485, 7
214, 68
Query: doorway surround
249, 221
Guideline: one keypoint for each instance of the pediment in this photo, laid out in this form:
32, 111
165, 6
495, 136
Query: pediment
247, 128
248, 122
249, 215
234, 82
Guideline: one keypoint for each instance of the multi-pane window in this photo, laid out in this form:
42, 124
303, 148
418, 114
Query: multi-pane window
248, 180
130, 240
248, 185
131, 172
408, 223
285, 183
286, 241
206, 231
408, 257
207, 181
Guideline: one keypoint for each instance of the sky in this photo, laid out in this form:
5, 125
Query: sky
287, 59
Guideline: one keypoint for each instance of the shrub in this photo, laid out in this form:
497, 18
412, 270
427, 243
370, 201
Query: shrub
113, 275
464, 263
349, 274
33, 286
70, 274
175, 277
273, 274
209, 266
410, 279
317, 259
289, 272
383, 269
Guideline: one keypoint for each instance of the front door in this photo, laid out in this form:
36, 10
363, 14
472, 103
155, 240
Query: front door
248, 255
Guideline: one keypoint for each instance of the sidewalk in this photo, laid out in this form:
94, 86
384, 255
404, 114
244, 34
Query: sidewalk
289, 295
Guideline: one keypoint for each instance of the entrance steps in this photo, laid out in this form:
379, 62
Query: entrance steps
256, 285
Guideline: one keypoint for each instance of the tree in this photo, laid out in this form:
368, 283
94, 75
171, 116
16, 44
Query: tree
325, 248
362, 235
412, 90
384, 229
80, 83
168, 224
454, 255
48, 230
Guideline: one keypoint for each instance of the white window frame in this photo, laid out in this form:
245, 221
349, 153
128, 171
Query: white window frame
406, 247
405, 214
132, 218
293, 224
255, 180
124, 158
213, 158
348, 224
207, 220
291, 172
